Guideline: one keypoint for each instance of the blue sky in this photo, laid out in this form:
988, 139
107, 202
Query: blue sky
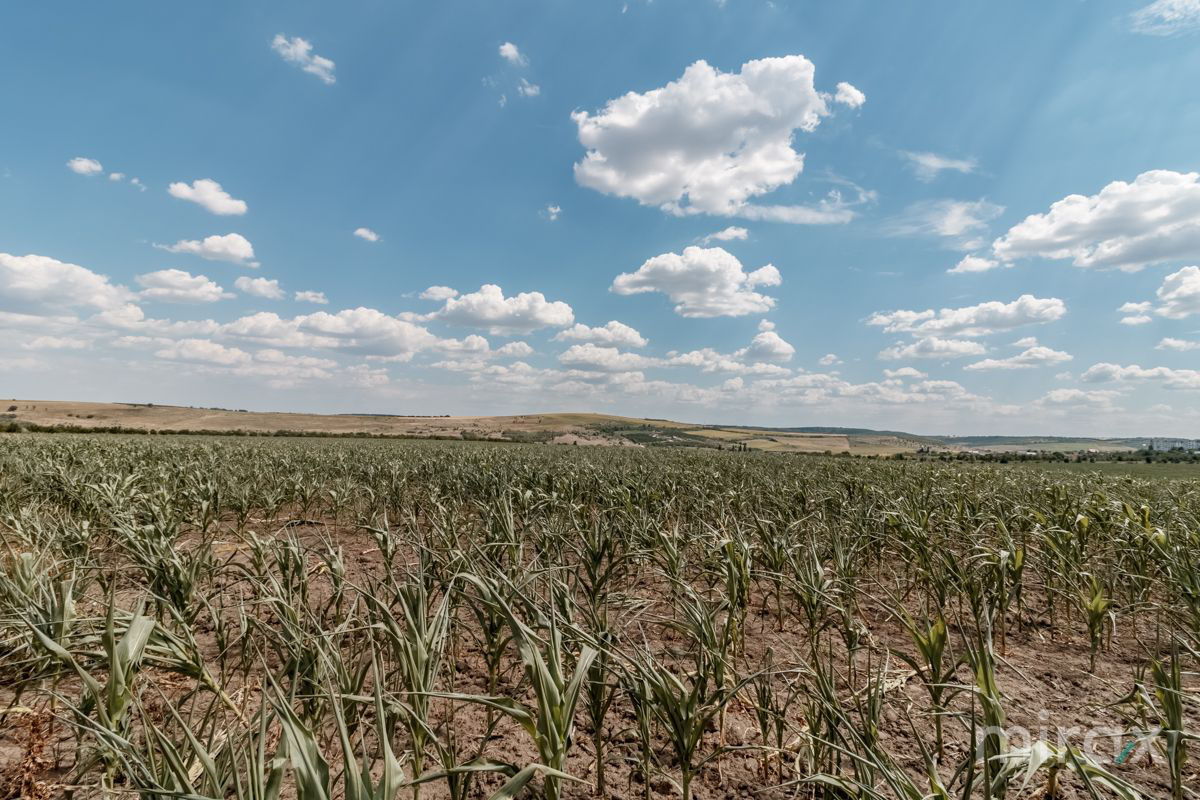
732, 212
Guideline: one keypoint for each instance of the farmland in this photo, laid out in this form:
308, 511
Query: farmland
213, 617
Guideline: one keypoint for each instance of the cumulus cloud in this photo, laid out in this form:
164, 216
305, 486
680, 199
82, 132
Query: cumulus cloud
961, 223
904, 372
1126, 226
702, 282
1035, 356
613, 333
1135, 313
178, 286
204, 351
968, 264
1179, 295
733, 232
85, 166
928, 166
849, 95
607, 359
1166, 17
57, 343
208, 194
259, 287
311, 297
527, 89
299, 52
1097, 400
552, 212
489, 309
933, 347
977, 320
232, 247
366, 234
512, 54
767, 346
1178, 345
367, 331
829, 360
33, 283
438, 293
709, 142
709, 360
1170, 378
515, 349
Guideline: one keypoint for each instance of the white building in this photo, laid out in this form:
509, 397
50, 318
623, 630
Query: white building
1174, 444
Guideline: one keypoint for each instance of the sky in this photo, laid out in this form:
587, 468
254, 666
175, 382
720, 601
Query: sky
941, 217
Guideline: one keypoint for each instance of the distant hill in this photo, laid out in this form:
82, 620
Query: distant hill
552, 428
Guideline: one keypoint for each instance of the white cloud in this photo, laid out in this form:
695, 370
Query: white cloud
607, 359
177, 286
209, 194
978, 320
367, 331
85, 166
961, 222
766, 325
1101, 400
1126, 226
710, 142
32, 283
904, 372
709, 360
438, 293
973, 264
366, 377
488, 308
1171, 378
552, 212
702, 282
298, 51
933, 347
727, 235
613, 333
515, 349
829, 360
1179, 295
849, 95
1035, 356
311, 297
1026, 342
511, 53
204, 351
767, 346
1167, 17
928, 166
1135, 313
57, 343
1179, 345
527, 89
232, 247
474, 343
138, 183
116, 176
259, 287
366, 234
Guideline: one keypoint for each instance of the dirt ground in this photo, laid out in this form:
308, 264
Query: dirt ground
1046, 683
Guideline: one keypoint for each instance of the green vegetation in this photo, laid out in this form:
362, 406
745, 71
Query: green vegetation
187, 617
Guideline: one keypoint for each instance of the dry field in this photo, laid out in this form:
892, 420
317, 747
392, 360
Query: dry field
554, 428
265, 618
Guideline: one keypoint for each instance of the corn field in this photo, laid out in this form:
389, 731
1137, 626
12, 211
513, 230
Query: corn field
205, 618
